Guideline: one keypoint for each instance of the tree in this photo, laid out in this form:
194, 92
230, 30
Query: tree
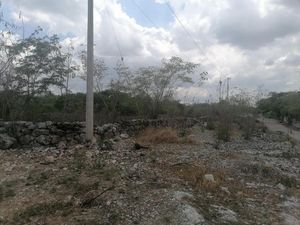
99, 70
7, 79
124, 79
72, 67
40, 64
160, 83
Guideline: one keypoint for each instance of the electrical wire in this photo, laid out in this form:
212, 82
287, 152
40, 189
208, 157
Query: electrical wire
183, 27
115, 34
143, 12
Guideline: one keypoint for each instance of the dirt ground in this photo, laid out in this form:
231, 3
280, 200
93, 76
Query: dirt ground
252, 181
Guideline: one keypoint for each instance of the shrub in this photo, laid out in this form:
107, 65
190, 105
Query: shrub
163, 135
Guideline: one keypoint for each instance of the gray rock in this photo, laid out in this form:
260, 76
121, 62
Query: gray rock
42, 125
2, 130
62, 145
55, 139
49, 123
124, 136
226, 215
281, 186
43, 140
25, 140
190, 216
50, 159
6, 141
39, 132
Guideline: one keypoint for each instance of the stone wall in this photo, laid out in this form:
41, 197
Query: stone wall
29, 134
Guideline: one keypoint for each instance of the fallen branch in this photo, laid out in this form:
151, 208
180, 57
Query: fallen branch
89, 201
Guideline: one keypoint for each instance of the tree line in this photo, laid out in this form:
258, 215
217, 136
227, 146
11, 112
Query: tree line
35, 73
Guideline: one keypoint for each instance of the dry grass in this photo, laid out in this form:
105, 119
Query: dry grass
194, 174
163, 135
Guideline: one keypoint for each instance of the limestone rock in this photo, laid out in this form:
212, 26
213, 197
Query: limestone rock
43, 140
6, 141
209, 178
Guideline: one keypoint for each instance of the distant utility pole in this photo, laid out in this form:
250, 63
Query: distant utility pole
89, 124
220, 90
228, 80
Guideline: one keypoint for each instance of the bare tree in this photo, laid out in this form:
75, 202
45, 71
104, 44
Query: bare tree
160, 83
99, 70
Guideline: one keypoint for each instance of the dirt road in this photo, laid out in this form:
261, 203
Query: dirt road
274, 125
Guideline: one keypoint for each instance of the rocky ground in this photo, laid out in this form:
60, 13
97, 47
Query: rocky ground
203, 181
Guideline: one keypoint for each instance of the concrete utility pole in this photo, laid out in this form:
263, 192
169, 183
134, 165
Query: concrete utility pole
228, 80
90, 67
220, 90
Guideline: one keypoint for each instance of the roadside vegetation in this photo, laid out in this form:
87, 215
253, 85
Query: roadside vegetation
281, 106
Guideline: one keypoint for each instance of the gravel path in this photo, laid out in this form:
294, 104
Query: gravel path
274, 125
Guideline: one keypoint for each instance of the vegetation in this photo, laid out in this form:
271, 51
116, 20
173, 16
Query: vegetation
281, 106
42, 209
163, 135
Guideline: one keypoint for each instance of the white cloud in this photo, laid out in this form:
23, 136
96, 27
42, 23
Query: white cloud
253, 41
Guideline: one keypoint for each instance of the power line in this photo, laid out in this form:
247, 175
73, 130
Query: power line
143, 12
150, 20
183, 27
115, 34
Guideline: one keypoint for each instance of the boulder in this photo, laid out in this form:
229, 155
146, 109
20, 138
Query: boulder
6, 141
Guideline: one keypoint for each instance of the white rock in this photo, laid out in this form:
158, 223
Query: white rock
50, 159
225, 189
191, 216
281, 186
209, 178
124, 136
179, 195
226, 215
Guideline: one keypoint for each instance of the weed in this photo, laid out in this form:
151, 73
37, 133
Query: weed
98, 164
163, 135
6, 191
37, 179
224, 132
105, 144
68, 180
167, 220
9, 193
290, 182
194, 174
42, 210
114, 218
109, 174
261, 170
80, 188
248, 126
210, 124
1, 193
79, 162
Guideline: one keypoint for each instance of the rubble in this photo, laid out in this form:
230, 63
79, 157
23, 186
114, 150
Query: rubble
161, 184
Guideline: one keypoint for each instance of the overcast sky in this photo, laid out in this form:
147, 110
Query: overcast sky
255, 42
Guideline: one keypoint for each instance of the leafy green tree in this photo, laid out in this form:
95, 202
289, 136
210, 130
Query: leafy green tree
40, 64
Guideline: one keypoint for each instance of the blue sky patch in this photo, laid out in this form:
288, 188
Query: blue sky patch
147, 12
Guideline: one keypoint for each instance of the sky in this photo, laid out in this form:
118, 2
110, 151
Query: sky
254, 42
